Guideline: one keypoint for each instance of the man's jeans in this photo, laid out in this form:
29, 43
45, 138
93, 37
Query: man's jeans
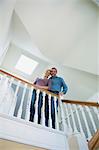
53, 108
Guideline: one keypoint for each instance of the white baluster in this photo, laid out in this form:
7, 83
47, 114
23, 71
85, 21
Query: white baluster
3, 88
14, 99
91, 118
72, 116
27, 115
96, 111
11, 81
50, 119
56, 115
1, 76
4, 97
79, 122
12, 103
43, 111
36, 106
21, 104
85, 120
68, 118
66, 129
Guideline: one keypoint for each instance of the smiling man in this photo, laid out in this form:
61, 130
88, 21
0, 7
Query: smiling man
58, 86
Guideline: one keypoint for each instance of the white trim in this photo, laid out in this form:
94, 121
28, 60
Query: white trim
21, 131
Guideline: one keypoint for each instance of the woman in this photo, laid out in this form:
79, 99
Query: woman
43, 84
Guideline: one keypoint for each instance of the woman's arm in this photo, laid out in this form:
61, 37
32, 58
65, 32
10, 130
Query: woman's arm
41, 87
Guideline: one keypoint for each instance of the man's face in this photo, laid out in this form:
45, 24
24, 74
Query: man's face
53, 72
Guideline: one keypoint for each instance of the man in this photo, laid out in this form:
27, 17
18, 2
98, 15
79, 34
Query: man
58, 86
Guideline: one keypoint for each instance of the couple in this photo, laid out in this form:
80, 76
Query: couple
53, 84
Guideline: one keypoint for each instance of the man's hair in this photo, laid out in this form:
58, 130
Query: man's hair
54, 68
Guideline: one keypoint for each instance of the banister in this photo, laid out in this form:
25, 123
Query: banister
27, 82
94, 142
81, 102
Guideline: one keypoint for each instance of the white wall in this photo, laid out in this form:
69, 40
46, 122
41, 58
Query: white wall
21, 37
11, 58
84, 54
82, 85
6, 9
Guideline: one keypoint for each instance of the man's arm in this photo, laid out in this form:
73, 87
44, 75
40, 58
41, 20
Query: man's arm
65, 88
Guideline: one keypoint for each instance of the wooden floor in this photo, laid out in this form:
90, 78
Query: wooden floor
8, 145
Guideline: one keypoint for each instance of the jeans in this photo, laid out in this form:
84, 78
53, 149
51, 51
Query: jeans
53, 108
32, 107
40, 103
46, 110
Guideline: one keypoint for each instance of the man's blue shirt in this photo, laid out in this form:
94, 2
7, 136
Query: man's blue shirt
57, 84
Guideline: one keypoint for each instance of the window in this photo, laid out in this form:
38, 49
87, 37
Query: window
26, 64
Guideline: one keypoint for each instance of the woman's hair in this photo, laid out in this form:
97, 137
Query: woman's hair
47, 73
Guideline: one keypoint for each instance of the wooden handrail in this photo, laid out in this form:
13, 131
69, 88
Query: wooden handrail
81, 102
27, 82
94, 142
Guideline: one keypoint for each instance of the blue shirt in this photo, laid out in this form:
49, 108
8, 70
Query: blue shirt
57, 84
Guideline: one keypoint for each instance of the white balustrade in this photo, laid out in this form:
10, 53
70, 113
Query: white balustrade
73, 118
84, 116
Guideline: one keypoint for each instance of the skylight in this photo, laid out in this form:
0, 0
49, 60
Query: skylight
26, 65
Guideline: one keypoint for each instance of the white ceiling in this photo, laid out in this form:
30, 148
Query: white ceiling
63, 31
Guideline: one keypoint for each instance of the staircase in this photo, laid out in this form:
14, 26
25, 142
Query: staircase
75, 122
